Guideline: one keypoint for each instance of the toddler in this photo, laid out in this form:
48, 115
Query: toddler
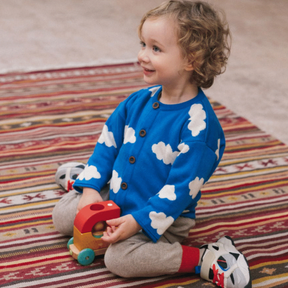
156, 151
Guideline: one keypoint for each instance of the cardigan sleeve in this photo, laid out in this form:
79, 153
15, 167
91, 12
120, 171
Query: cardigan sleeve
191, 169
98, 169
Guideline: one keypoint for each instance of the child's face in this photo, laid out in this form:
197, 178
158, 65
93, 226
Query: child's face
160, 54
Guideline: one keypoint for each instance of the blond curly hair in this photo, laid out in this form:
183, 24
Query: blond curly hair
203, 34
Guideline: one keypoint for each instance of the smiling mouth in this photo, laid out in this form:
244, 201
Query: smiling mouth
147, 70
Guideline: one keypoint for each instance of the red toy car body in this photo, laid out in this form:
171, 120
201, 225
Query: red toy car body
89, 225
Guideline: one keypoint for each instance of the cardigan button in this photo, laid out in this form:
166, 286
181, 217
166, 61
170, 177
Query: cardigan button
155, 105
142, 133
132, 159
124, 185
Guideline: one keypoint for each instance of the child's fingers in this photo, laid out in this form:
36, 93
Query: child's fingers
112, 235
113, 228
106, 236
114, 222
109, 231
109, 238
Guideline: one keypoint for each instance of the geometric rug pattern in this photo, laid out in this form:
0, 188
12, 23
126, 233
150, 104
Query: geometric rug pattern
48, 118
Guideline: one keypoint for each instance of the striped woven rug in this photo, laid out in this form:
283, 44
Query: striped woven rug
48, 118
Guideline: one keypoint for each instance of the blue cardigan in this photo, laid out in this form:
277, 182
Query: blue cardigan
157, 157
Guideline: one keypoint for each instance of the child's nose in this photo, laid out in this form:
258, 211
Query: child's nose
143, 56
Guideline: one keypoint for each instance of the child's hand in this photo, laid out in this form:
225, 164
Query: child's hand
89, 196
120, 229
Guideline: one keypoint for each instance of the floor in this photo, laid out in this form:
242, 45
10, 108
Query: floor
49, 34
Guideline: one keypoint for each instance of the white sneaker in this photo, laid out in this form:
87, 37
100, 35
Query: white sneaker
223, 265
67, 174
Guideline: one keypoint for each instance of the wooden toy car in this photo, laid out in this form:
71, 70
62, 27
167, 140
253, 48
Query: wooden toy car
89, 225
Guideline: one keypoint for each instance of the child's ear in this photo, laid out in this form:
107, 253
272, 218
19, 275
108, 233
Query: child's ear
189, 67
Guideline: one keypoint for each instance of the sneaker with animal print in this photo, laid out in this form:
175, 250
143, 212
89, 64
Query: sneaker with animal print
67, 174
223, 265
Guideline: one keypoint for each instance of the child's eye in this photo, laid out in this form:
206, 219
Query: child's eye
142, 44
156, 49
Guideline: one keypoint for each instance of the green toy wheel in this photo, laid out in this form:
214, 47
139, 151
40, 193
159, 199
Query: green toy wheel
86, 257
70, 242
